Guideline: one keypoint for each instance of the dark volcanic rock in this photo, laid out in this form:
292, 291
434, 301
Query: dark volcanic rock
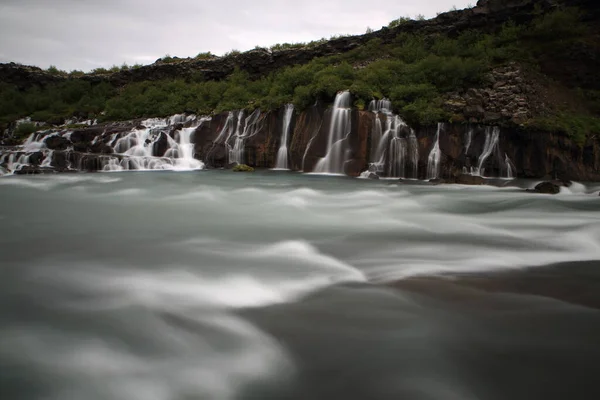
101, 148
56, 142
547, 188
465, 179
161, 145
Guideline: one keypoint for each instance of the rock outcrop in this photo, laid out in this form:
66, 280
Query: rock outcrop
487, 16
508, 97
465, 150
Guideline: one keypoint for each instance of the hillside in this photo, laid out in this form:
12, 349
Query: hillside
416, 64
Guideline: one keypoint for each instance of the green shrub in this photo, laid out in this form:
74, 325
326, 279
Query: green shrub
400, 21
204, 56
423, 112
242, 168
24, 130
55, 71
578, 127
100, 71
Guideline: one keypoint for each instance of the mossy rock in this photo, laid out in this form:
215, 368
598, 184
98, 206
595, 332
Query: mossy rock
243, 168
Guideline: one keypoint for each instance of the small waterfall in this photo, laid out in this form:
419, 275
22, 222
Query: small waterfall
492, 137
383, 105
397, 157
468, 140
376, 107
433, 161
339, 129
282, 154
509, 167
251, 127
47, 161
388, 149
413, 148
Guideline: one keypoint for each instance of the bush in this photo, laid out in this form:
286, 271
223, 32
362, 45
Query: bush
24, 130
400, 21
423, 112
242, 168
55, 71
578, 127
204, 56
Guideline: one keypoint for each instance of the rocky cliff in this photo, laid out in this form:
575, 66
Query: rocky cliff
373, 142
486, 134
486, 16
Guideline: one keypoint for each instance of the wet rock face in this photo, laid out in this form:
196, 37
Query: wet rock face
510, 151
57, 142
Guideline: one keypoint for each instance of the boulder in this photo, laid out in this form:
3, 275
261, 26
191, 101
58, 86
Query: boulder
101, 148
56, 142
161, 145
465, 179
242, 168
547, 188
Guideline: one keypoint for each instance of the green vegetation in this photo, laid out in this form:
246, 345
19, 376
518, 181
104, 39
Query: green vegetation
242, 168
400, 21
168, 59
55, 71
578, 127
413, 71
205, 56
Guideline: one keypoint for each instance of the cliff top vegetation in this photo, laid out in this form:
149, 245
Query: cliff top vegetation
415, 71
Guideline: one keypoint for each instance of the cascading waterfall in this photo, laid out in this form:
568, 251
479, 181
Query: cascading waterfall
388, 149
435, 156
251, 126
139, 149
339, 129
468, 139
397, 157
492, 137
282, 154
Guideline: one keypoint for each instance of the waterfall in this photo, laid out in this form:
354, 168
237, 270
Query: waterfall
397, 157
413, 146
468, 140
282, 154
509, 167
140, 148
251, 126
156, 143
376, 106
492, 137
339, 129
433, 161
383, 105
388, 148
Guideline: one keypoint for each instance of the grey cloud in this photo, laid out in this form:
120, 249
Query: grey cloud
85, 34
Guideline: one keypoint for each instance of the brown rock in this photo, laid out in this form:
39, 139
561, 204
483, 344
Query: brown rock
465, 179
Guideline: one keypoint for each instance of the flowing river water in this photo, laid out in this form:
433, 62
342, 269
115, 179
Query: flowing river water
279, 285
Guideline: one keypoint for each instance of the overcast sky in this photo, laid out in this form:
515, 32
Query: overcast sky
85, 34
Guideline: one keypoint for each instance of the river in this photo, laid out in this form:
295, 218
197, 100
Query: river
279, 285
